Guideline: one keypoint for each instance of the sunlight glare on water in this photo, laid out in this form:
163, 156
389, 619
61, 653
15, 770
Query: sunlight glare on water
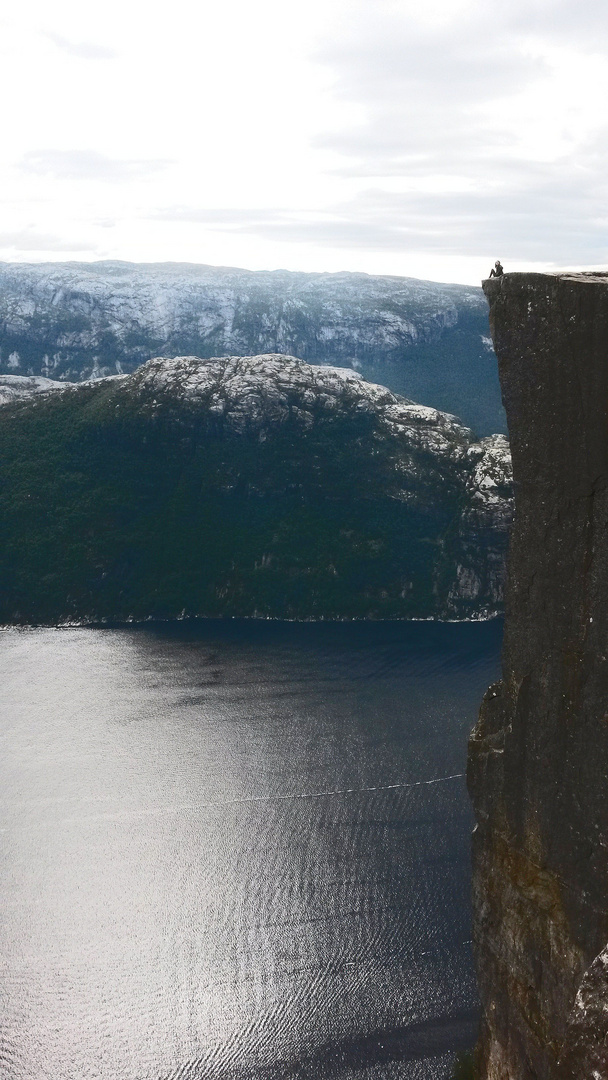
214, 865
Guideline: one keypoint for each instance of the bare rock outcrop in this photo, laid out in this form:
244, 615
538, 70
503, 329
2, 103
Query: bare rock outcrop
18, 388
538, 761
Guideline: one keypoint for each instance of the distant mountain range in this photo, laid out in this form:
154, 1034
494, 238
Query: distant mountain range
258, 486
77, 321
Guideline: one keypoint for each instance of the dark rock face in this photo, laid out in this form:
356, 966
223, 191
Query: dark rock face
538, 761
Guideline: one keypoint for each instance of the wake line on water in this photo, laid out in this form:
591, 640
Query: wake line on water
249, 799
185, 808
342, 791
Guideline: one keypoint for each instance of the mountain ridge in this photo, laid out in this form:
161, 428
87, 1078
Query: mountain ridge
428, 341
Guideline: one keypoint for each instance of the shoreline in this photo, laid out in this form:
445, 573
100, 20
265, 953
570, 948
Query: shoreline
122, 624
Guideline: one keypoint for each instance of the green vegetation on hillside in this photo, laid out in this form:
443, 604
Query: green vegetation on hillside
114, 509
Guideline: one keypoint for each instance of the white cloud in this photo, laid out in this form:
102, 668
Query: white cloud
384, 135
30, 241
85, 50
86, 165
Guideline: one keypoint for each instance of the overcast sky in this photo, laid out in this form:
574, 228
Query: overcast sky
418, 137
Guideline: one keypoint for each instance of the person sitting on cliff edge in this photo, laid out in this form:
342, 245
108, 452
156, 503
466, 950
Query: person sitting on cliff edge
497, 270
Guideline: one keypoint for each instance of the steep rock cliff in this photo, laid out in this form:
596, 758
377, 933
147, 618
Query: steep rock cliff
538, 761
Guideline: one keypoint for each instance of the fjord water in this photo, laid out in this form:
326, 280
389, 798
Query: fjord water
237, 850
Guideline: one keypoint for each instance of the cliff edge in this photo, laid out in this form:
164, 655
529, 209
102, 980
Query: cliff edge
538, 758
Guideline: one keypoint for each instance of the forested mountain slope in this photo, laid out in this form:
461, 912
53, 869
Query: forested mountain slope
258, 486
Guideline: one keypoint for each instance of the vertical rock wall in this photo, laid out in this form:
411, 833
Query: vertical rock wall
538, 759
